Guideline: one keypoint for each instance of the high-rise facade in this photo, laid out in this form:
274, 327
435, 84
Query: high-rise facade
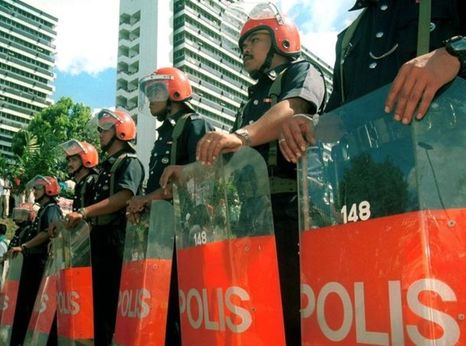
27, 59
190, 35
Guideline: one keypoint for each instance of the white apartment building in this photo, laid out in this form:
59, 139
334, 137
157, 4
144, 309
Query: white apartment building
187, 34
27, 59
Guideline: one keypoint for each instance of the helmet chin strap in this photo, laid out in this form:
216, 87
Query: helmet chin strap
265, 66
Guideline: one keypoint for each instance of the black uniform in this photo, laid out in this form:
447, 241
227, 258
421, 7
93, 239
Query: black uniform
386, 38
107, 241
194, 129
33, 269
84, 191
300, 80
20, 234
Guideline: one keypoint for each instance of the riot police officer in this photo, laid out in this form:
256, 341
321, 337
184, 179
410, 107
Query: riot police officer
82, 159
34, 248
120, 179
23, 216
373, 51
167, 92
286, 85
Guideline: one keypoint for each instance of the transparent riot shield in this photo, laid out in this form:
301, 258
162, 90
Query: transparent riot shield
45, 305
227, 264
145, 278
383, 210
75, 318
8, 296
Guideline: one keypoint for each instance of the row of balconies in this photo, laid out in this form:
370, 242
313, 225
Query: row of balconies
38, 52
21, 106
11, 56
128, 53
128, 69
131, 19
27, 21
7, 73
127, 103
25, 33
13, 107
233, 103
129, 86
32, 94
129, 34
27, 16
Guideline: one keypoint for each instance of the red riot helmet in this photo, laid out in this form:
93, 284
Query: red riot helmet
87, 152
284, 33
125, 127
166, 83
48, 183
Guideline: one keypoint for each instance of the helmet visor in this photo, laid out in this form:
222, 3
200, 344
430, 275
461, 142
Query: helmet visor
153, 88
20, 214
72, 147
236, 15
38, 182
107, 119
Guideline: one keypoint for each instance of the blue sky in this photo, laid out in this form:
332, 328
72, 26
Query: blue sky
94, 90
87, 41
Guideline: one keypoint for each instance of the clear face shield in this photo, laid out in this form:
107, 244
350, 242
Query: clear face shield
153, 88
235, 16
20, 215
106, 119
38, 183
72, 147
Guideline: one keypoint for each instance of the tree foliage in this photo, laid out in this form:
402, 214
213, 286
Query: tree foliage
37, 147
381, 184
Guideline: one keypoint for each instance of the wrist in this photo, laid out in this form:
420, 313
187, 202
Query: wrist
243, 135
83, 212
456, 47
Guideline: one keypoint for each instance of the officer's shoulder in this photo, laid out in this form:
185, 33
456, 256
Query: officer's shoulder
298, 67
125, 160
197, 119
194, 116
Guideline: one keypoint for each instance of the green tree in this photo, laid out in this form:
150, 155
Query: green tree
382, 184
37, 146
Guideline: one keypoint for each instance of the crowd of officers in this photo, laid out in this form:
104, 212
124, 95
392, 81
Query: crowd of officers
287, 86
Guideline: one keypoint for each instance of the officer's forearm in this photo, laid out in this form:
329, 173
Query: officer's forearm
155, 195
39, 239
268, 127
109, 205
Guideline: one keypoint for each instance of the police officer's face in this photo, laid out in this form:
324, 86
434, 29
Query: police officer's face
38, 191
255, 48
157, 108
105, 136
74, 163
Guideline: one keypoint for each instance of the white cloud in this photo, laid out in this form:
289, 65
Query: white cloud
87, 39
319, 23
87, 33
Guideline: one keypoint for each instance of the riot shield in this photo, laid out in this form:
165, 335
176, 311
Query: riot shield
75, 318
382, 225
227, 264
145, 278
9, 295
45, 305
